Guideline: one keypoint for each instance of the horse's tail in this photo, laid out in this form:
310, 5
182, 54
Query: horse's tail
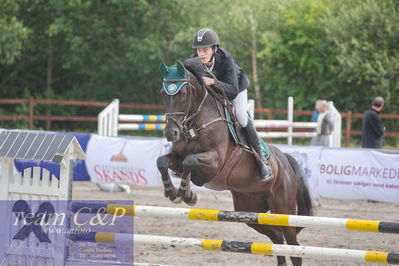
304, 202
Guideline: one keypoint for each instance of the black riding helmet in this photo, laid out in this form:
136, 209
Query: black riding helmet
205, 38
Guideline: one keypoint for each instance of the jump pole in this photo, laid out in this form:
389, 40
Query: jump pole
240, 217
359, 256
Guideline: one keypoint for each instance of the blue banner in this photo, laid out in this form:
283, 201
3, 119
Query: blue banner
80, 172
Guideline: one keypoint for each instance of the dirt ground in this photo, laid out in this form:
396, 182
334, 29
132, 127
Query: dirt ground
354, 209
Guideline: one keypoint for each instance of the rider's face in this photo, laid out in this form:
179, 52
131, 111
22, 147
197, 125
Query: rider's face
205, 54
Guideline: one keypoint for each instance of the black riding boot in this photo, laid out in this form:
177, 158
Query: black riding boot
265, 171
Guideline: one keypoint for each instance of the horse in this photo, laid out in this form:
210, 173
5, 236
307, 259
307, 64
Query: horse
201, 147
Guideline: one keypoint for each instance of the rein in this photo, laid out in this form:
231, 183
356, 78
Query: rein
192, 133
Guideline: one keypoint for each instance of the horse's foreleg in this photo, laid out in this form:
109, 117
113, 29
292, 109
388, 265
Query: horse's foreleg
205, 162
188, 196
170, 191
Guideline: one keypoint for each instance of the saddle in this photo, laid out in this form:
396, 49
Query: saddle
235, 129
239, 136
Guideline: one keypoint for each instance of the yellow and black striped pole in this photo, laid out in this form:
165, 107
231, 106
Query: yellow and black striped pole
359, 256
241, 217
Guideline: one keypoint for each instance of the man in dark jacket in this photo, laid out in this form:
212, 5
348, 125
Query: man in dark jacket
372, 126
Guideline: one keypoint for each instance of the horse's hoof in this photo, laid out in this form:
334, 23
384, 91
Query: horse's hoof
177, 200
193, 200
188, 196
190, 200
173, 196
181, 192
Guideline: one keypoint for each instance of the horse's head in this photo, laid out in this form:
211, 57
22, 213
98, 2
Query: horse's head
182, 99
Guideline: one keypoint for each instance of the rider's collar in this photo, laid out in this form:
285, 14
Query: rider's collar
210, 68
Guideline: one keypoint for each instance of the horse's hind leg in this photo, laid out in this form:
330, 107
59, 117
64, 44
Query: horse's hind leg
258, 203
290, 235
287, 205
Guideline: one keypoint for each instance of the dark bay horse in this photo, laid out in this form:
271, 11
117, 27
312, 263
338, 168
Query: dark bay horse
201, 145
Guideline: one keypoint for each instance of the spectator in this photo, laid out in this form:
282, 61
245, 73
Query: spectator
315, 113
325, 125
372, 126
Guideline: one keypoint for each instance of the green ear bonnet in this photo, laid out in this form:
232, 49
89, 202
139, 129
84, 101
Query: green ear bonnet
174, 77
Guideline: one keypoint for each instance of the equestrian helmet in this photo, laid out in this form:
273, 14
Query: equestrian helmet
205, 38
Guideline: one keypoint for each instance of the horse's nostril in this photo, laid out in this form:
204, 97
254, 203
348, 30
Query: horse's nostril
175, 133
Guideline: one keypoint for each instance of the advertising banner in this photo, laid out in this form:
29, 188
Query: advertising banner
359, 174
308, 158
124, 160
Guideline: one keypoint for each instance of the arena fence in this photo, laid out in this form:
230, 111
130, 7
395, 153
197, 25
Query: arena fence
110, 122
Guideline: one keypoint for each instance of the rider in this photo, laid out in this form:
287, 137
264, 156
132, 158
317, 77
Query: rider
235, 83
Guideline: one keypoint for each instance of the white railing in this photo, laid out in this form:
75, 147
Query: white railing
109, 123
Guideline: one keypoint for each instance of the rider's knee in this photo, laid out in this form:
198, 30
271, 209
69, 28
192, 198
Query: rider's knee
242, 118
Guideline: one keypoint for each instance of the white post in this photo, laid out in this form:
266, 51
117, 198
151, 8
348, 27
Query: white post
290, 115
66, 175
335, 137
6, 175
108, 120
7, 167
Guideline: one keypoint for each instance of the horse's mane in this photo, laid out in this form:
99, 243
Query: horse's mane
195, 66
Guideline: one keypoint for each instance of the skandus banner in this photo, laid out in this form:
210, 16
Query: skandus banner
124, 160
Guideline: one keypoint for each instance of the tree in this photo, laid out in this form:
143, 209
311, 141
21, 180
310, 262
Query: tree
366, 38
297, 55
240, 25
245, 30
93, 50
13, 33
90, 50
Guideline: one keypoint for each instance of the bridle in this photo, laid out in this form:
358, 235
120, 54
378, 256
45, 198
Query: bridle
188, 118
